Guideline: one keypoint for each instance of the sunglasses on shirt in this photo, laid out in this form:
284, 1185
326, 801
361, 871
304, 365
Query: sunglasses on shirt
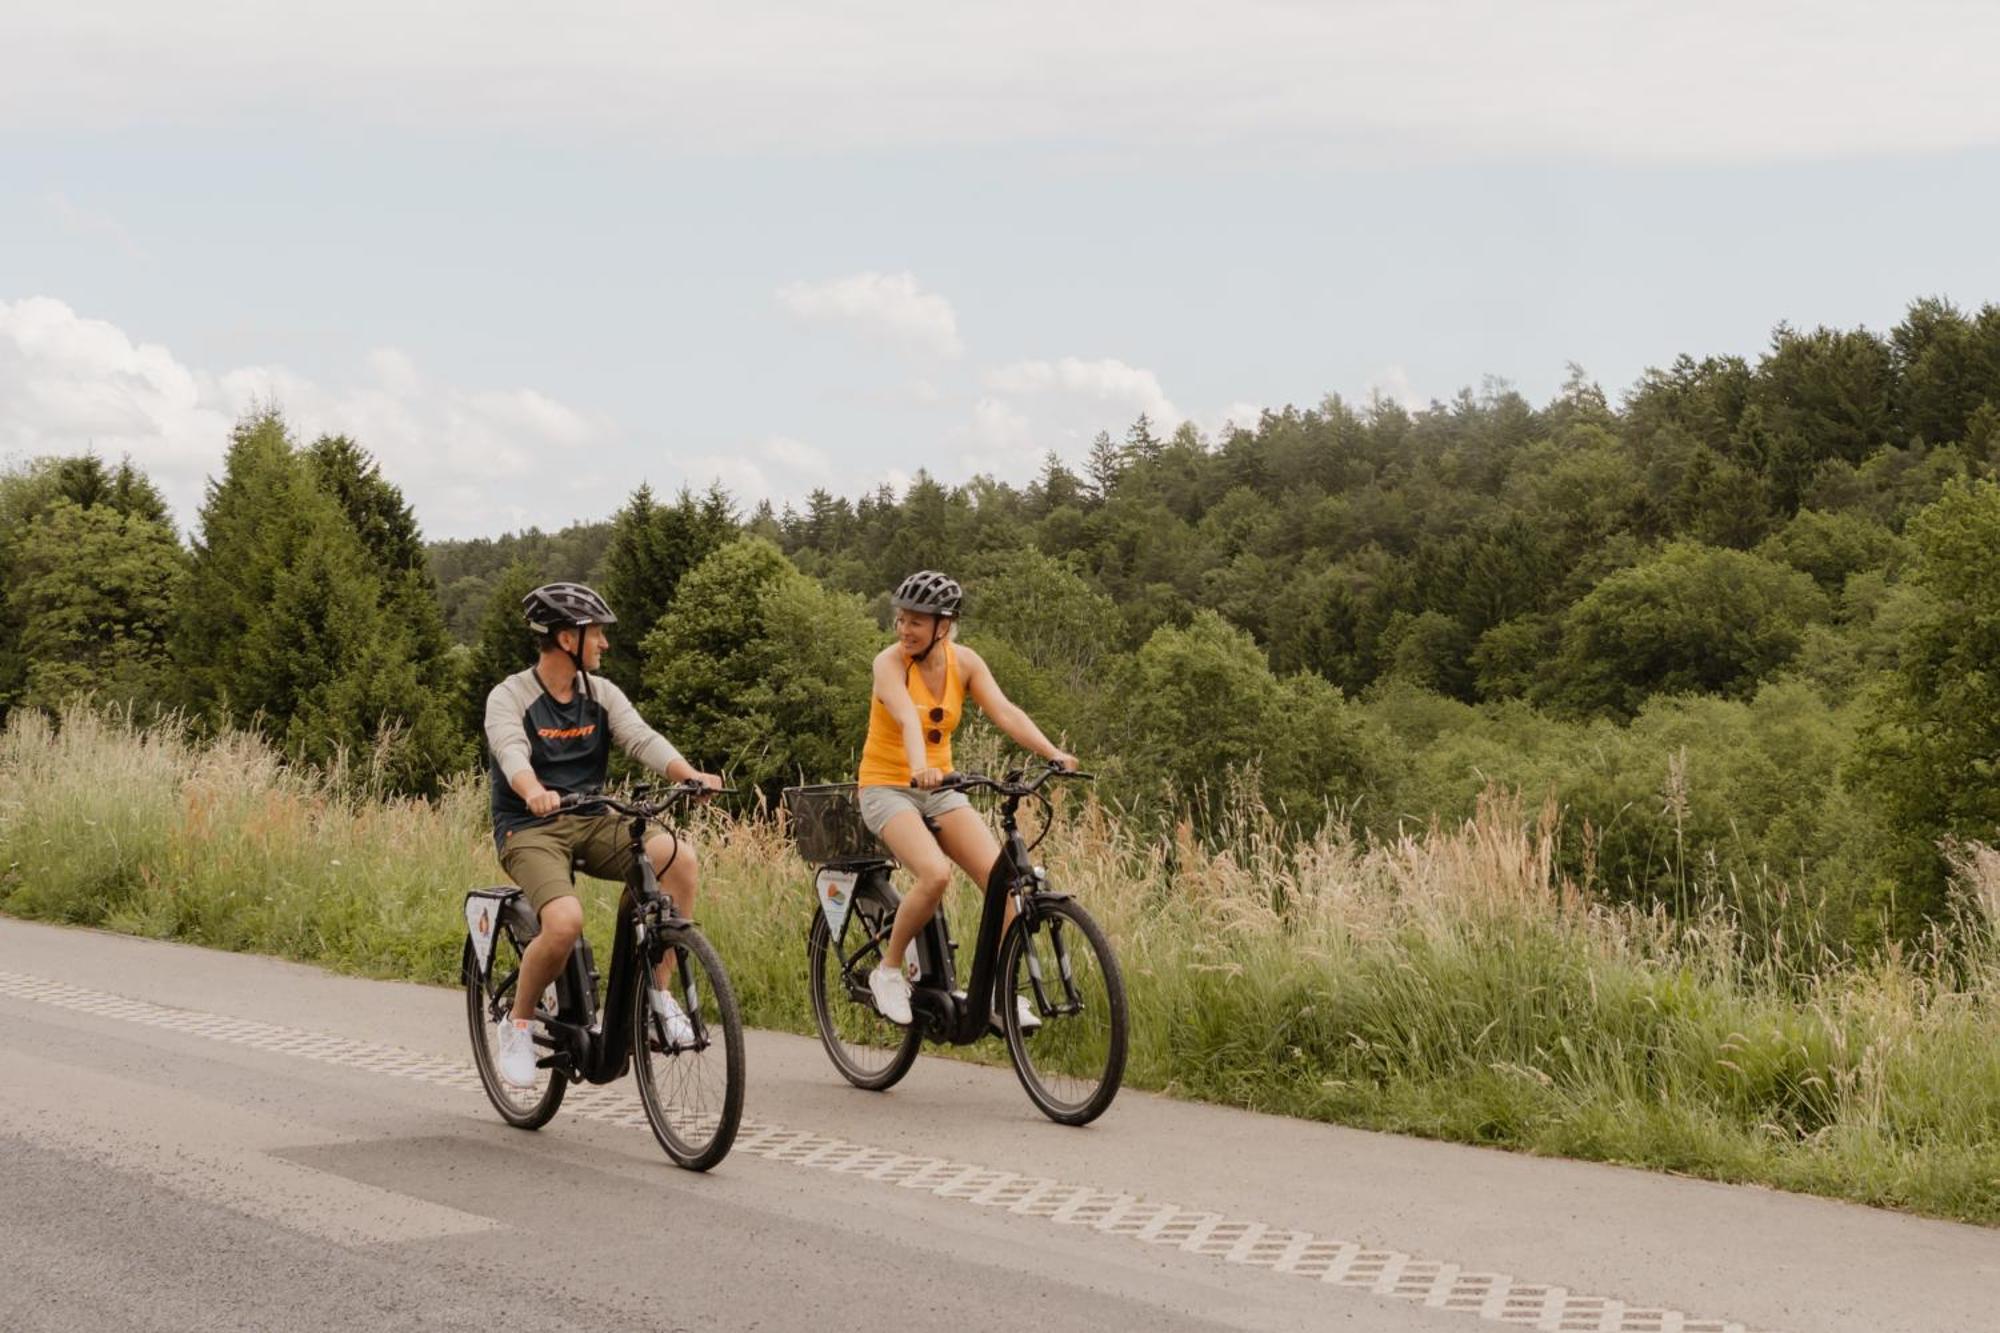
934, 735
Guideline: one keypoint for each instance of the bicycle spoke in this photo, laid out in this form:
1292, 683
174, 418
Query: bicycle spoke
1072, 1063
867, 1049
692, 1089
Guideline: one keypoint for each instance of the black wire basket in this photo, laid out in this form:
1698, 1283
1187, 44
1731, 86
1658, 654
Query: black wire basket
826, 823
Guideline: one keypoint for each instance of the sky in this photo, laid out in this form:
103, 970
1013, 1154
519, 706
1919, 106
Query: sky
531, 255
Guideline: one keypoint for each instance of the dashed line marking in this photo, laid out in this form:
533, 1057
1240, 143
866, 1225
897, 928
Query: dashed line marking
1496, 1297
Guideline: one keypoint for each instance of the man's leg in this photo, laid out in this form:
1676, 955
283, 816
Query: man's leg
680, 879
538, 859
546, 955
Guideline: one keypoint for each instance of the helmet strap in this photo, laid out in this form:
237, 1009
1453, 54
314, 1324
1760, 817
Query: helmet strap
576, 656
937, 632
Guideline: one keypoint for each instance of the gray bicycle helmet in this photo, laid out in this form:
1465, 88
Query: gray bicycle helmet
929, 593
555, 606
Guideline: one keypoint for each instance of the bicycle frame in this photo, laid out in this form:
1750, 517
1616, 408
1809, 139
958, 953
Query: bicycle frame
947, 1015
597, 1047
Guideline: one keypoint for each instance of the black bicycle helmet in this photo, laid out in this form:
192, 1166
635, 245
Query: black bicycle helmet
555, 606
929, 593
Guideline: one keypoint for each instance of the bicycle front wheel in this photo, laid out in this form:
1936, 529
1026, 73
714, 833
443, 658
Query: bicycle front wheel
486, 1006
690, 1064
869, 1051
1062, 965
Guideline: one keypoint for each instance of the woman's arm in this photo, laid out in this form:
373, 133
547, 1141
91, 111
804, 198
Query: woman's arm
893, 688
1007, 715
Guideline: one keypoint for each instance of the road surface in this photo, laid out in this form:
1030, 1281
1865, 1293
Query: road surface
199, 1140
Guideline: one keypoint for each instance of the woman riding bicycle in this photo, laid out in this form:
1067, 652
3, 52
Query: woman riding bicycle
921, 684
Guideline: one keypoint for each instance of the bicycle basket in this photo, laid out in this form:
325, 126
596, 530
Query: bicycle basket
826, 823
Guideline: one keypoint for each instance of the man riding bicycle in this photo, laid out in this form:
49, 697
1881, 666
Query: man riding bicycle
550, 730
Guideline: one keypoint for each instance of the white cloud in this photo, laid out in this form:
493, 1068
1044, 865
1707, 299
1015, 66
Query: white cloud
1002, 440
1239, 415
779, 469
1107, 380
887, 306
1648, 80
465, 458
91, 224
1392, 384
797, 458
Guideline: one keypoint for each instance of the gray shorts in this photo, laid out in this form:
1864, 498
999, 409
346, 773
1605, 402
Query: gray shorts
879, 805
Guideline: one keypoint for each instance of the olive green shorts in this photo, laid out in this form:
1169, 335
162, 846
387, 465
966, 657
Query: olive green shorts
539, 857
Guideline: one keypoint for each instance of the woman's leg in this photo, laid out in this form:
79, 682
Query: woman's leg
911, 843
965, 839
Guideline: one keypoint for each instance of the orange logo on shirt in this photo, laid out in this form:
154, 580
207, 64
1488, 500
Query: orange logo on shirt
566, 733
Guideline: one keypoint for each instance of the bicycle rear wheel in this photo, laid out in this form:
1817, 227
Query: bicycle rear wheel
486, 1006
690, 1083
869, 1051
1062, 964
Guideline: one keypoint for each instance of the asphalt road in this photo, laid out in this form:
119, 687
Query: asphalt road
195, 1140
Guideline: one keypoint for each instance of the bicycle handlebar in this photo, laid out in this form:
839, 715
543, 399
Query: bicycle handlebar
1012, 785
649, 803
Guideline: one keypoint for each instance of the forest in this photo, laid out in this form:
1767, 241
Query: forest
1736, 625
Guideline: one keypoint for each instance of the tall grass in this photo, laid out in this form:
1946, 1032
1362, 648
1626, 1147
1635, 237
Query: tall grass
1449, 982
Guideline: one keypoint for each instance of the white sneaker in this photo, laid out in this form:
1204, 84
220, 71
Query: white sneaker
679, 1028
517, 1053
1030, 1020
891, 990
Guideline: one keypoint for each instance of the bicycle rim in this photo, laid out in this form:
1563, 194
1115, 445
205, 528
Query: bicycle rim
692, 1089
486, 1005
869, 1051
1062, 964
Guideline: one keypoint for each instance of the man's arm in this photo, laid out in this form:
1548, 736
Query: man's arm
639, 740
507, 738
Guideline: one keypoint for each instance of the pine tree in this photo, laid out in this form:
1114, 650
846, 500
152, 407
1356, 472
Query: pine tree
1106, 466
252, 516
52, 596
505, 644
94, 589
1141, 445
286, 621
1056, 486
652, 548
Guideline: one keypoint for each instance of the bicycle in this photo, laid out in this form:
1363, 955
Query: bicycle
1070, 1065
693, 1106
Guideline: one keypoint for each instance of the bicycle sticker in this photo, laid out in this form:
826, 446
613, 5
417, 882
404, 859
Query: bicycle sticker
479, 925
835, 891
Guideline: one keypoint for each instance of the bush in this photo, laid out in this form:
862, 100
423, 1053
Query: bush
763, 668
1693, 618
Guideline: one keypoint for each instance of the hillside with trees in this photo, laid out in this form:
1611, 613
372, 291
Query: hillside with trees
1734, 625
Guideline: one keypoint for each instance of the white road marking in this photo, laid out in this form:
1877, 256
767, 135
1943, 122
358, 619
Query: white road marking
1433, 1284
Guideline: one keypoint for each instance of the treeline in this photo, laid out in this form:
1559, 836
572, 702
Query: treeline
305, 608
1738, 625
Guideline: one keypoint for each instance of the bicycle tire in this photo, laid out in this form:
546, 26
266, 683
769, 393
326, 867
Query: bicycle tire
869, 1051
1070, 1073
523, 1108
694, 1116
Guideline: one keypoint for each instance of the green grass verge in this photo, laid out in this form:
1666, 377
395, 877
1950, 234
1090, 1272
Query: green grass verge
1447, 985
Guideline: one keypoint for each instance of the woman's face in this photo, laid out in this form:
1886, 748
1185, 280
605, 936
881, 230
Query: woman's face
914, 631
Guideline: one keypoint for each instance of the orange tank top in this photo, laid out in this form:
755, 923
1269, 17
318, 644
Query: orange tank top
884, 762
